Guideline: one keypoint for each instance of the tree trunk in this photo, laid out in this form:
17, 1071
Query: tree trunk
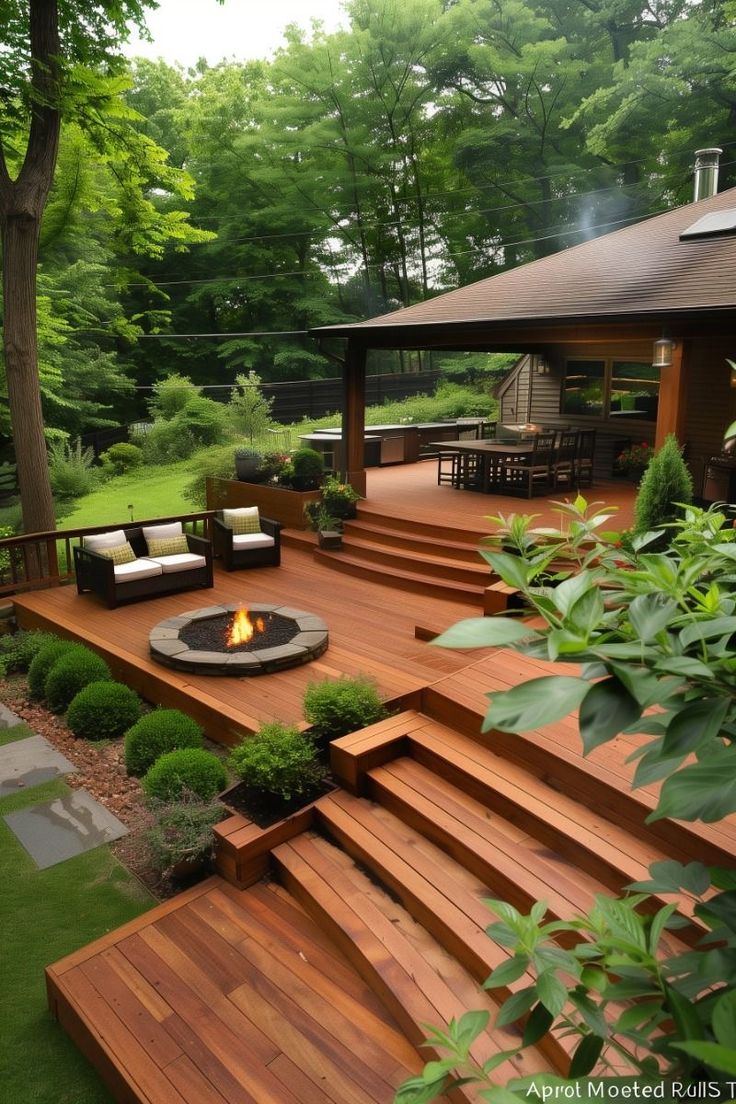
22, 203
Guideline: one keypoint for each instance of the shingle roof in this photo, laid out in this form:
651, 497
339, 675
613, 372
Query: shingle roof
640, 270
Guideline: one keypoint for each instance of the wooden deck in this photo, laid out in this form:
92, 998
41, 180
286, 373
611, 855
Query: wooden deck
371, 633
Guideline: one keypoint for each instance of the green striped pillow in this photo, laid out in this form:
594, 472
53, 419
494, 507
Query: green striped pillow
119, 553
168, 546
244, 520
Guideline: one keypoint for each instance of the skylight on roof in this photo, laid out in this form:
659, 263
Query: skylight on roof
712, 225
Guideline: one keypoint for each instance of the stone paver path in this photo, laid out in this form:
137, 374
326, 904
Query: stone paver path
28, 763
57, 830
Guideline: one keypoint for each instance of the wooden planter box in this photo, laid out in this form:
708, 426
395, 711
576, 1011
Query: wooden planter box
277, 503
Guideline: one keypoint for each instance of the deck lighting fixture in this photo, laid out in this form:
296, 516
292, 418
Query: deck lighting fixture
663, 349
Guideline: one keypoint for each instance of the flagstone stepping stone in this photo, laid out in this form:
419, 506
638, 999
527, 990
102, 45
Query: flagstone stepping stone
29, 762
57, 830
8, 719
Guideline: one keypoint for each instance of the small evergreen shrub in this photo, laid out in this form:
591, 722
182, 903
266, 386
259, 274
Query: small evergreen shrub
121, 458
155, 734
103, 710
170, 395
71, 469
19, 649
278, 759
665, 483
336, 707
182, 830
44, 660
70, 674
186, 769
308, 469
213, 463
204, 420
167, 442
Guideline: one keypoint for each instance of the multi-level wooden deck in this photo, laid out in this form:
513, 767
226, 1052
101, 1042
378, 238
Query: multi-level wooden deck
314, 985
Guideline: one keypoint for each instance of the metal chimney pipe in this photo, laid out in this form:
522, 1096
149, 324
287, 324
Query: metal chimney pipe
706, 172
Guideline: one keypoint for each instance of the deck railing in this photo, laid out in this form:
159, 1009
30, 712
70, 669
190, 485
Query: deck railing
33, 561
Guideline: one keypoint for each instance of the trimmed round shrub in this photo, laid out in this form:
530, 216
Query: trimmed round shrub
155, 734
336, 707
19, 649
103, 710
192, 769
308, 469
204, 419
70, 674
122, 457
44, 660
278, 759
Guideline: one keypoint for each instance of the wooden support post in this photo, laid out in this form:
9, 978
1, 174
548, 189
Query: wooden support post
353, 417
672, 398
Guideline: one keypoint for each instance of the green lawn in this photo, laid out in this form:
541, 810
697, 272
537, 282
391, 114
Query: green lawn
44, 915
151, 492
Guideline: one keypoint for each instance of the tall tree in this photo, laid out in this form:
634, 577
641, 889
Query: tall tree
60, 61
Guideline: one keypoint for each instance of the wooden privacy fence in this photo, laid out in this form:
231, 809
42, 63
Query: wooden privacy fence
33, 561
315, 398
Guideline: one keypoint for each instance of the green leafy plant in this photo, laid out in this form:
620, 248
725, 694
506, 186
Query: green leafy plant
156, 733
71, 469
192, 769
278, 759
320, 519
647, 630
249, 410
167, 441
635, 457
338, 498
182, 830
121, 458
203, 420
103, 710
19, 649
336, 707
171, 395
665, 489
44, 660
70, 673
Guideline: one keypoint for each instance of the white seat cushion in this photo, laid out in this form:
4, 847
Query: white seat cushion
104, 540
252, 540
162, 532
183, 561
137, 569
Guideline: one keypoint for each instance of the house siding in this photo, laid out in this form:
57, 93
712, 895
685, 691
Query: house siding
711, 401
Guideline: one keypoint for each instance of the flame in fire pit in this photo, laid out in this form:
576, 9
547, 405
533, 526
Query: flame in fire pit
241, 629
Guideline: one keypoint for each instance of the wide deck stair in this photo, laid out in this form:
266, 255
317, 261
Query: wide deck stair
412, 555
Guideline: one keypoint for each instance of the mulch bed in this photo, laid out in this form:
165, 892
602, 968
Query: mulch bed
100, 769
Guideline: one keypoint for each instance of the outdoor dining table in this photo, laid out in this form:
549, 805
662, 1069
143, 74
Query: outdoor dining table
490, 456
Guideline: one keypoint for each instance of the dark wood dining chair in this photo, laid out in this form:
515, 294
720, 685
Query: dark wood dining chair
533, 472
584, 459
564, 460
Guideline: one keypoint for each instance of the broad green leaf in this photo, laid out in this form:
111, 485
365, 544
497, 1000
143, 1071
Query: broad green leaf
572, 590
684, 1013
641, 684
707, 630
659, 922
590, 1013
700, 791
721, 908
538, 1024
507, 972
540, 701
607, 709
695, 724
552, 992
498, 1059
484, 632
670, 876
586, 1055
650, 614
515, 1007
510, 569
712, 1054
654, 765
587, 612
724, 1020
470, 1025
687, 666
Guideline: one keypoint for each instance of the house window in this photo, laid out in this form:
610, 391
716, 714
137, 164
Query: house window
583, 389
610, 388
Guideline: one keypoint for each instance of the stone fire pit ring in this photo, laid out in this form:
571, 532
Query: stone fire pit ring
310, 640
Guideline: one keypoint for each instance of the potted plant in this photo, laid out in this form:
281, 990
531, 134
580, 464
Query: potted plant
339, 498
327, 527
632, 461
181, 840
249, 465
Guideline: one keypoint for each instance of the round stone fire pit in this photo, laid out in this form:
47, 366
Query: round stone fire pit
196, 641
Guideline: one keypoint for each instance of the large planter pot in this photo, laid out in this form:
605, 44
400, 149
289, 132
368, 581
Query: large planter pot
247, 467
277, 503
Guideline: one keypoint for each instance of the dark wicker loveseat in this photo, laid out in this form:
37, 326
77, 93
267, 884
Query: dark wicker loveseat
145, 577
260, 548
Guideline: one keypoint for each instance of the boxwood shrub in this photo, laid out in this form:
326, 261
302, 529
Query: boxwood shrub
339, 706
19, 649
156, 733
186, 769
70, 674
103, 710
44, 660
278, 759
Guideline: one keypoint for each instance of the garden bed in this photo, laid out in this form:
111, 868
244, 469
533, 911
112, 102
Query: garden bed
278, 503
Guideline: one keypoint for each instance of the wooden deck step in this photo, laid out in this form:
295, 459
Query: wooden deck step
352, 563
436, 562
515, 865
419, 982
602, 781
402, 521
442, 542
600, 847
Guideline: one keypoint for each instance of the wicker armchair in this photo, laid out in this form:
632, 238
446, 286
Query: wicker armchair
255, 549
